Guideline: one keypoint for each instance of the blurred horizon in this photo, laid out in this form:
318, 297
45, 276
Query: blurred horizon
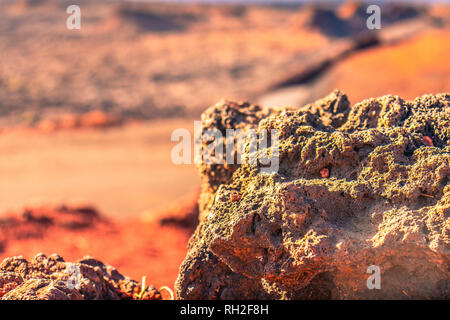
85, 112
274, 2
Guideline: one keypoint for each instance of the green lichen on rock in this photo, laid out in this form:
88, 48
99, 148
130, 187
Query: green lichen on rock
295, 234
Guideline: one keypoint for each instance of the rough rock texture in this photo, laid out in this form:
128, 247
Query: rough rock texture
53, 279
302, 234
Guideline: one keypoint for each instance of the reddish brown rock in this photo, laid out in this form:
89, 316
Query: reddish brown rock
51, 278
295, 235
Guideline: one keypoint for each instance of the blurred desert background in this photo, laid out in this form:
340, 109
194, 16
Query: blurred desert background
86, 115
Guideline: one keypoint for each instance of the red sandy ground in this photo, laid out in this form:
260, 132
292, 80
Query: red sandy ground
409, 69
136, 248
125, 172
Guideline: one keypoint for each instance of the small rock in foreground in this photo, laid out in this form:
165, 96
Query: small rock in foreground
51, 278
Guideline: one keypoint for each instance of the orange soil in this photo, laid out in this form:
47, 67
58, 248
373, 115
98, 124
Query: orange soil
124, 171
136, 248
412, 68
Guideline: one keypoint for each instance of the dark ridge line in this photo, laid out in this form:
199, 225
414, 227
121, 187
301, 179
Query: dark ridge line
315, 70
311, 72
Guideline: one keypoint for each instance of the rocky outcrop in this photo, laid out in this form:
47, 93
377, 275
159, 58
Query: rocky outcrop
356, 187
51, 278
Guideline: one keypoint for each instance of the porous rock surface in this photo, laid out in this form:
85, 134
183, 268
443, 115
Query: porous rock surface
300, 234
51, 278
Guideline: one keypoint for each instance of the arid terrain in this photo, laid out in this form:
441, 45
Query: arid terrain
86, 116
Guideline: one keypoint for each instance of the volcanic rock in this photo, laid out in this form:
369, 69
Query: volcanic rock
51, 278
299, 234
